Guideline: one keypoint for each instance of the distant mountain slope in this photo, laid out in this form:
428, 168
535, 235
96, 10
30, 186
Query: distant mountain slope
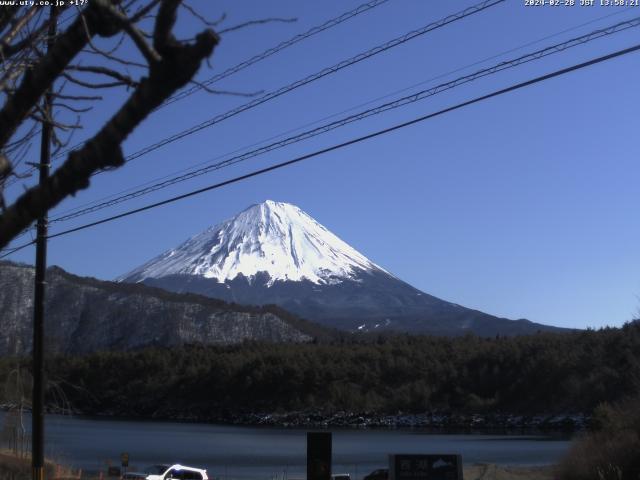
86, 315
274, 253
272, 237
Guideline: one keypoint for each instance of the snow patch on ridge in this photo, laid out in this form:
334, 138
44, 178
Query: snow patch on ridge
273, 237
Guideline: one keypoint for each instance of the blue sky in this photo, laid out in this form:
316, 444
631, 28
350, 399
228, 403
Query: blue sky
524, 206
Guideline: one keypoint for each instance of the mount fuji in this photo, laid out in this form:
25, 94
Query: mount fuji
274, 253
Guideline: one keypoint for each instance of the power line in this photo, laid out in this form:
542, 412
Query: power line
403, 101
365, 7
363, 138
326, 71
316, 76
360, 9
405, 89
11, 251
306, 80
273, 50
458, 106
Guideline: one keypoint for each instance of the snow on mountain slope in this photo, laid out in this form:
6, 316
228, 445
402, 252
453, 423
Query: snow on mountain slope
274, 253
273, 237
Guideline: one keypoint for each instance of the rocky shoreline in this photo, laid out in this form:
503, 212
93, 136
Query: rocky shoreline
426, 420
450, 422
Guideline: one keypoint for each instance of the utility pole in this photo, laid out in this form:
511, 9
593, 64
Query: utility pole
37, 420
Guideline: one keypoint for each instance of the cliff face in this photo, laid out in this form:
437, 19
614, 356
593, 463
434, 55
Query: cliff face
86, 315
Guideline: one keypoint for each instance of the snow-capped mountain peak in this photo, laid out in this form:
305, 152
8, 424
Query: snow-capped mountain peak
274, 253
273, 237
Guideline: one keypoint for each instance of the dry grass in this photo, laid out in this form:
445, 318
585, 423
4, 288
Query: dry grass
612, 452
496, 472
603, 456
19, 468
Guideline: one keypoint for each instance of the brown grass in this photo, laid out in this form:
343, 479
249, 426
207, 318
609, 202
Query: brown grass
496, 472
19, 468
612, 452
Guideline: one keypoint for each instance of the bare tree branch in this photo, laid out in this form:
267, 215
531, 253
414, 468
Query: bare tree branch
140, 14
5, 167
136, 35
123, 79
256, 22
41, 118
29, 40
21, 23
6, 15
92, 85
77, 97
111, 57
206, 22
13, 72
37, 80
20, 154
162, 36
59, 144
72, 109
32, 132
178, 65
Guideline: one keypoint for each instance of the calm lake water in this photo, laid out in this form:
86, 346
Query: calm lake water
232, 452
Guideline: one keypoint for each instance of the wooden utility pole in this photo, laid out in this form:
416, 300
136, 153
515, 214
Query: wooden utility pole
37, 420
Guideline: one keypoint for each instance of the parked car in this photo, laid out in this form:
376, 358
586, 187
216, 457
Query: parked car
167, 472
143, 474
380, 474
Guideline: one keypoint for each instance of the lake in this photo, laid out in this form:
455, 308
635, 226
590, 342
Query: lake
240, 452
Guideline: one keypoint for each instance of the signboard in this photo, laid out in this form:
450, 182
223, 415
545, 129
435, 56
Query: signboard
318, 455
425, 467
113, 471
124, 458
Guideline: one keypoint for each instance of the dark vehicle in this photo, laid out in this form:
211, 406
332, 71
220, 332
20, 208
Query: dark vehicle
380, 474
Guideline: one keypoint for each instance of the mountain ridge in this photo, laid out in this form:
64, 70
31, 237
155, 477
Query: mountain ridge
85, 314
275, 253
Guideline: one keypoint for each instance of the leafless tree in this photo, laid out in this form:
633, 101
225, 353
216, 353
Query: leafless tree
96, 48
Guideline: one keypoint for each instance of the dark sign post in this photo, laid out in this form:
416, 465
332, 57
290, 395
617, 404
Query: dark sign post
113, 471
425, 467
318, 455
124, 460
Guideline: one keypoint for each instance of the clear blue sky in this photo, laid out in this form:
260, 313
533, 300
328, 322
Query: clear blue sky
524, 206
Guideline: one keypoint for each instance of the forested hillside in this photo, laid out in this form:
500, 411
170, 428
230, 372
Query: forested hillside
543, 373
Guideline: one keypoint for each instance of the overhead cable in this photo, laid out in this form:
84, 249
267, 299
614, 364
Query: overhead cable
400, 102
354, 141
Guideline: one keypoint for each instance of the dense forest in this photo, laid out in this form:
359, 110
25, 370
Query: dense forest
543, 373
